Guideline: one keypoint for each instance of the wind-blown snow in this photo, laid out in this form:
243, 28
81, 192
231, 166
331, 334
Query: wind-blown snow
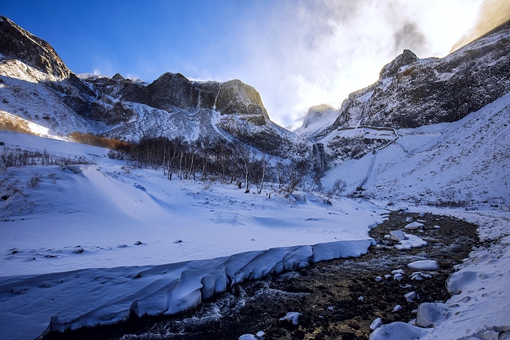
91, 247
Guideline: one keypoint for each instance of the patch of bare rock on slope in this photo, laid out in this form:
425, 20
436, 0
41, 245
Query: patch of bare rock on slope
337, 299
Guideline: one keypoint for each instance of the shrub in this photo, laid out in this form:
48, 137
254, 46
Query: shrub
337, 189
35, 181
18, 158
104, 142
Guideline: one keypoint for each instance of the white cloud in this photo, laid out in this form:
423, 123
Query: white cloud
302, 53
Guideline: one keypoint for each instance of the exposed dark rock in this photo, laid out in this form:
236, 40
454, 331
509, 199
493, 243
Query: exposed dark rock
206, 94
268, 138
235, 97
171, 89
406, 58
110, 114
19, 44
229, 98
117, 76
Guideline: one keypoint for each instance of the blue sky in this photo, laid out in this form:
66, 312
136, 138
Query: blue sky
296, 53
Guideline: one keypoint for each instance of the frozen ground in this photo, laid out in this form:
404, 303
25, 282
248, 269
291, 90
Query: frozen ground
89, 247
480, 305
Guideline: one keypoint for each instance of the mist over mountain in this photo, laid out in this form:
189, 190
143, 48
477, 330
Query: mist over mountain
429, 134
410, 92
413, 92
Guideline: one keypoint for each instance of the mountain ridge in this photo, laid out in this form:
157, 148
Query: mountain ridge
118, 107
413, 92
443, 89
410, 92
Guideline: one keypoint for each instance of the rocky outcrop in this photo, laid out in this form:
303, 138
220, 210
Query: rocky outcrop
390, 70
175, 90
235, 97
241, 111
17, 43
171, 89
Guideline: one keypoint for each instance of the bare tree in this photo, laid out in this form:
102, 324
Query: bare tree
297, 171
280, 170
263, 163
243, 159
337, 189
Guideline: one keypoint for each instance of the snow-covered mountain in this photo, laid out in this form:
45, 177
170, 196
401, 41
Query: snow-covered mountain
93, 241
463, 163
41, 95
413, 92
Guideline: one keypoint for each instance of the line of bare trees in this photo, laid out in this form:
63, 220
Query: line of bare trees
20, 157
208, 158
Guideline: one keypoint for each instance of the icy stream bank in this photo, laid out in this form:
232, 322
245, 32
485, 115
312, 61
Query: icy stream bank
153, 290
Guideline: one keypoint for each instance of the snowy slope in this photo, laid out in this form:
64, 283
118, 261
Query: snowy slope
25, 96
40, 95
98, 229
196, 238
467, 160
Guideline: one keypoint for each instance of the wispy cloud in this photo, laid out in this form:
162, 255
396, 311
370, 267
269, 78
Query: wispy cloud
492, 13
308, 52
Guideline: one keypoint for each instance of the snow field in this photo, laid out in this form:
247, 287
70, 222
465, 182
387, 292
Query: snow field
185, 228
132, 241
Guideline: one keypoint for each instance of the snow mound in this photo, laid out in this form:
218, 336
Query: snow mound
459, 280
424, 265
430, 313
414, 225
411, 241
291, 317
398, 330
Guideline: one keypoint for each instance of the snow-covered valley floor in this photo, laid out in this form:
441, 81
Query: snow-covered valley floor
89, 247
92, 243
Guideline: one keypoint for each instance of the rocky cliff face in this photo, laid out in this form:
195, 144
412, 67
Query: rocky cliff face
170, 106
17, 43
412, 92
